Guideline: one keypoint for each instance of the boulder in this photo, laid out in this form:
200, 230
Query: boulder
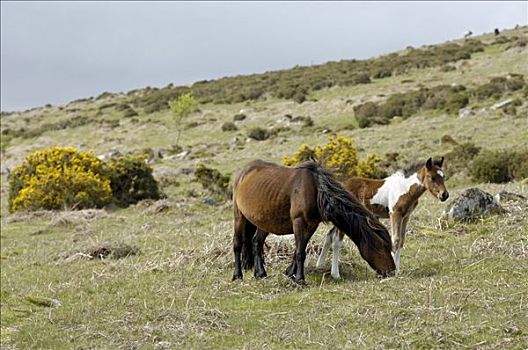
471, 204
505, 196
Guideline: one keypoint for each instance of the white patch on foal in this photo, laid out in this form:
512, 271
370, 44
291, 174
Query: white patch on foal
393, 188
441, 173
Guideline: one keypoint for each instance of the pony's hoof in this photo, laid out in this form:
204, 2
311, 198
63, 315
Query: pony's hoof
299, 282
290, 272
262, 274
236, 277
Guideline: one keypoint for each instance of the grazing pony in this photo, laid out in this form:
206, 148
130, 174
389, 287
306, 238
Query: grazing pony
269, 198
394, 197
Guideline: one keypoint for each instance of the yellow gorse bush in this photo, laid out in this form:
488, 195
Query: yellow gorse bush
58, 178
339, 155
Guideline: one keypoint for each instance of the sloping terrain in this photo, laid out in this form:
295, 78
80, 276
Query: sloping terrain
462, 284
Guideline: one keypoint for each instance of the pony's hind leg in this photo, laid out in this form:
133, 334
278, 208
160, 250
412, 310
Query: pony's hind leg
326, 245
248, 258
258, 252
238, 244
242, 244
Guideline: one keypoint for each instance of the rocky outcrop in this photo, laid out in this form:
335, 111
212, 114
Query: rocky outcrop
473, 203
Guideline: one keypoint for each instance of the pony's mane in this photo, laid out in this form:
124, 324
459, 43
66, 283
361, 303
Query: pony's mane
341, 208
414, 167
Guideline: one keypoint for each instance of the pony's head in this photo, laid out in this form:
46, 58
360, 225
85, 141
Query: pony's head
433, 178
376, 249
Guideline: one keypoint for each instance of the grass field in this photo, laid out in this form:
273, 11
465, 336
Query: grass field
462, 285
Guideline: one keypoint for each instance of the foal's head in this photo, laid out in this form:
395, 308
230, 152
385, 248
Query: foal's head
433, 178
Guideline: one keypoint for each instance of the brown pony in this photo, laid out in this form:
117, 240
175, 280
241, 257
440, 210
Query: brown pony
394, 197
269, 198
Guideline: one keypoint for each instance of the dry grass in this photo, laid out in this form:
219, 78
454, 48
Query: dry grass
463, 285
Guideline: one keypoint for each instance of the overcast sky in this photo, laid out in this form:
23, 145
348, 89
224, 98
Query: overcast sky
54, 52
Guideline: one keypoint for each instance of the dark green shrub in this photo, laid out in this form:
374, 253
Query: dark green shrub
280, 129
494, 166
498, 86
191, 125
515, 82
259, 134
361, 78
300, 96
229, 126
456, 101
519, 165
213, 181
129, 112
132, 180
510, 109
364, 122
382, 72
460, 157
366, 110
105, 94
501, 40
447, 68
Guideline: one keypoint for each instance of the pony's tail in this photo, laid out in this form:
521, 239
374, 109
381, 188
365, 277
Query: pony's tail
338, 206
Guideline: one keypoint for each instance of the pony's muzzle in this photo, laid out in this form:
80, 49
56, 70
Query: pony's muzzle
444, 196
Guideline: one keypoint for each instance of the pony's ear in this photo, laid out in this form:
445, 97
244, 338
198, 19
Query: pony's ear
429, 163
441, 162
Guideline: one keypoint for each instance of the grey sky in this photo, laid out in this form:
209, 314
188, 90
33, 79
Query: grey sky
54, 52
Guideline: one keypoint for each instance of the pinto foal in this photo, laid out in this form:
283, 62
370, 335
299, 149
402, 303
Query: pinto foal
394, 197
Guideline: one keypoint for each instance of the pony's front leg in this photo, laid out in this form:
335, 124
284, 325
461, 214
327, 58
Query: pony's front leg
258, 252
326, 245
397, 238
302, 236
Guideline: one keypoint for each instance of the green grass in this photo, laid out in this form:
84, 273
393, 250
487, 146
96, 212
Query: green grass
463, 285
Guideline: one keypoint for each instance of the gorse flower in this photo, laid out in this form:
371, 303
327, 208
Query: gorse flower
339, 155
57, 178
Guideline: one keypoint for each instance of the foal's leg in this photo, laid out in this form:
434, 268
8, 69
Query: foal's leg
324, 251
258, 252
337, 239
401, 241
397, 239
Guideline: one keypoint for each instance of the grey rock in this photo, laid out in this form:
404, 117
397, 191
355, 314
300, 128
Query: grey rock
505, 196
208, 201
471, 204
465, 112
180, 156
502, 104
